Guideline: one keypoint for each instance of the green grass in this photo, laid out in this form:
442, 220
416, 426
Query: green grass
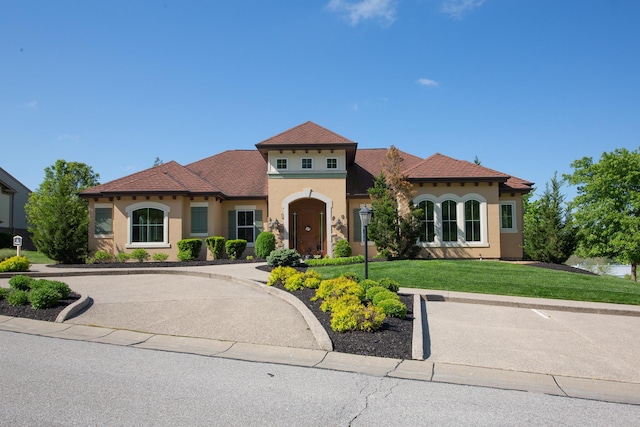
33, 256
498, 278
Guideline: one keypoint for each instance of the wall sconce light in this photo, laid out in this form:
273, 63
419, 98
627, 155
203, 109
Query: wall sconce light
338, 224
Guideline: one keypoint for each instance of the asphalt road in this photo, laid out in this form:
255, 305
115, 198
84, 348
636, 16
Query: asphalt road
51, 381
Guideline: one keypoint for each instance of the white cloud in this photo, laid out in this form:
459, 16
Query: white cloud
456, 8
427, 82
357, 11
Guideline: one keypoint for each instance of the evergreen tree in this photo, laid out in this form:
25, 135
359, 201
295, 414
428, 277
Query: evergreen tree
57, 217
549, 234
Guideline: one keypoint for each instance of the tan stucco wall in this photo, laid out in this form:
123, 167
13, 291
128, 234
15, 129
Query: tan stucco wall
223, 219
512, 242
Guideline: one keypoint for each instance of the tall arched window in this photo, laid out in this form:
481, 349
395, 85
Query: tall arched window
472, 221
427, 222
449, 221
148, 224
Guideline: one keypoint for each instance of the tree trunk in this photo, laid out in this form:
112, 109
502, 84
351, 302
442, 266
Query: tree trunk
633, 272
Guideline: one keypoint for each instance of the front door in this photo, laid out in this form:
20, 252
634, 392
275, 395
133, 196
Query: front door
307, 225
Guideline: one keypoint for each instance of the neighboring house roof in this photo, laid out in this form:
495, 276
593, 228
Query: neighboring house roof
167, 178
10, 183
308, 136
243, 173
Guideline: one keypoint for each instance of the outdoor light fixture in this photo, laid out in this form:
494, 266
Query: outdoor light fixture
275, 224
365, 219
338, 223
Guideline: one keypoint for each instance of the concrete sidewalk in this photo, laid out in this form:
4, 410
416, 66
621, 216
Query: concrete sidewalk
440, 367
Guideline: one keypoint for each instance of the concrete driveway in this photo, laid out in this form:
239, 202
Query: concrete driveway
191, 306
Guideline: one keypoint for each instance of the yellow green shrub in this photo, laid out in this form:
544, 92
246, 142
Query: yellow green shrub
16, 263
280, 274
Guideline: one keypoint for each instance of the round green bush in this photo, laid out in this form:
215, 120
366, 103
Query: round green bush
44, 297
390, 284
60, 287
367, 284
373, 291
17, 297
4, 292
343, 249
393, 308
284, 257
140, 255
102, 256
265, 244
21, 282
384, 295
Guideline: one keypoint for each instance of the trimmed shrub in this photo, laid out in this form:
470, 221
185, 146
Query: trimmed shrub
20, 282
235, 248
189, 249
342, 250
16, 263
384, 295
17, 297
44, 297
373, 291
159, 257
123, 257
294, 282
6, 240
390, 284
332, 290
102, 256
4, 292
351, 276
335, 261
284, 257
215, 244
367, 284
349, 316
265, 244
140, 255
60, 287
393, 308
280, 275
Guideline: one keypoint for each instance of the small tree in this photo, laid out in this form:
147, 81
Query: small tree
58, 219
549, 234
395, 224
607, 207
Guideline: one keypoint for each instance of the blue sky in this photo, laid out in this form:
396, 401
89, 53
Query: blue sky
527, 86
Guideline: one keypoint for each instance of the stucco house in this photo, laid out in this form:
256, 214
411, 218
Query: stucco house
13, 197
306, 185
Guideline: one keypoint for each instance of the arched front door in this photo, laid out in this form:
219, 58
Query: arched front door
307, 225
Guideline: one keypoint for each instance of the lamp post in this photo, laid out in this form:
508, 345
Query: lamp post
365, 218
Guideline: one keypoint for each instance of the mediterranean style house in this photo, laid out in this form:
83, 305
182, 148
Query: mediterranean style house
306, 185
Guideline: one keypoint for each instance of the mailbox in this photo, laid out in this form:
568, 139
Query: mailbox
17, 241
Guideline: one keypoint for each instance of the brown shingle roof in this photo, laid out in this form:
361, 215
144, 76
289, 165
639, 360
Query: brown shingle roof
440, 167
368, 165
168, 178
238, 173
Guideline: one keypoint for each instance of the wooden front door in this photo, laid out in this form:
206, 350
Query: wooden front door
307, 225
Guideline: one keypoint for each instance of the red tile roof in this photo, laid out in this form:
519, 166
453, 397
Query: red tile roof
307, 133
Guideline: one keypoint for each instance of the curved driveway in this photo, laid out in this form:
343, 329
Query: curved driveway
191, 306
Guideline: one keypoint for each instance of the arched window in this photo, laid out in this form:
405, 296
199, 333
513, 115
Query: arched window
472, 221
449, 221
427, 222
148, 225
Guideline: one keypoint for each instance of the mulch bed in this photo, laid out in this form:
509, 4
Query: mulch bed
48, 314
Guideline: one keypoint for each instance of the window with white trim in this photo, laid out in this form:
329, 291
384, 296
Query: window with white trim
148, 225
427, 222
281, 164
245, 225
307, 163
449, 221
472, 231
332, 163
507, 216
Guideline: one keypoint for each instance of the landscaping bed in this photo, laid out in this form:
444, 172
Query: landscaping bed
47, 314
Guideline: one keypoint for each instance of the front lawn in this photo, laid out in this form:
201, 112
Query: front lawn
34, 257
498, 278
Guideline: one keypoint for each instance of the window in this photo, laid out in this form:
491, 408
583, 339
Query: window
332, 163
449, 221
245, 226
472, 221
281, 164
199, 224
147, 225
103, 221
507, 219
307, 163
427, 222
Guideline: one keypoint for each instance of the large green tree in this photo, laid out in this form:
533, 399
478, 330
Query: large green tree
395, 224
607, 207
57, 217
549, 234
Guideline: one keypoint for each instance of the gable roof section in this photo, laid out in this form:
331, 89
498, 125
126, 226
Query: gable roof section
237, 173
368, 165
168, 178
308, 136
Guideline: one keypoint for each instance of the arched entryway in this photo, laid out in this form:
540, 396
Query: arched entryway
307, 227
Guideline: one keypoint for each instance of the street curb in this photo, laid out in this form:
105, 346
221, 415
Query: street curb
72, 309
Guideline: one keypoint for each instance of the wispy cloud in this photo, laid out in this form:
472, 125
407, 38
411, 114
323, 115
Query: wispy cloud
31, 104
358, 11
427, 82
457, 8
